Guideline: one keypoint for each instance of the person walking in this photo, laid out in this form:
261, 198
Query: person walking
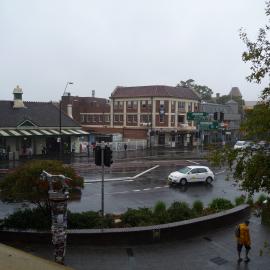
243, 239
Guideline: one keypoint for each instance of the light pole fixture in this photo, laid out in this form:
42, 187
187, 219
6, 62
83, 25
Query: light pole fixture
60, 118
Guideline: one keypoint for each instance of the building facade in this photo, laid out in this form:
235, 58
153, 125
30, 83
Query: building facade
34, 128
229, 120
155, 114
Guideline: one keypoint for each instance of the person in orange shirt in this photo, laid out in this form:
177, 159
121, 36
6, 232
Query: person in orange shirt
243, 239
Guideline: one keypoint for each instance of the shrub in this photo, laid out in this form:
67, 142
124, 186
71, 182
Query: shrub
261, 199
137, 217
160, 213
220, 204
84, 220
198, 207
250, 201
180, 211
240, 200
25, 219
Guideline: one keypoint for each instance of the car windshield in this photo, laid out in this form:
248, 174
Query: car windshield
184, 170
240, 143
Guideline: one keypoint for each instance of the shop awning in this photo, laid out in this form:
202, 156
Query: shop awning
40, 132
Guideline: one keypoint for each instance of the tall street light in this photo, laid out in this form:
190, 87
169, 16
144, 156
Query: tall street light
60, 119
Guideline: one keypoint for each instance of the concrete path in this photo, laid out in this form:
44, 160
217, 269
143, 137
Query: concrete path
215, 250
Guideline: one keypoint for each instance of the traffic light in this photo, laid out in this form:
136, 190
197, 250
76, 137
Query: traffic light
98, 155
221, 117
215, 116
107, 156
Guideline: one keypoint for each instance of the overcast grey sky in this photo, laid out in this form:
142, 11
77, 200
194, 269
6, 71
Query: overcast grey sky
101, 44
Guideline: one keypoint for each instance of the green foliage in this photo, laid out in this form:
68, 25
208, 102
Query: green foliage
180, 211
258, 54
239, 200
256, 125
204, 91
160, 214
261, 199
34, 218
250, 201
25, 184
137, 217
220, 204
89, 220
198, 207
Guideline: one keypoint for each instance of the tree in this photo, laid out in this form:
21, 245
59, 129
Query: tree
252, 167
258, 54
204, 91
25, 183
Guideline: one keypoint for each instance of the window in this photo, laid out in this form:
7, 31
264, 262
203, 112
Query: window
172, 118
143, 104
96, 117
120, 104
181, 105
149, 103
173, 106
89, 118
116, 118
135, 103
194, 171
129, 104
107, 118
82, 118
146, 118
129, 118
181, 119
161, 118
101, 118
190, 106
202, 170
121, 118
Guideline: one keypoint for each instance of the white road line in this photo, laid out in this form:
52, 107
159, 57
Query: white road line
121, 178
166, 186
136, 190
193, 162
157, 187
146, 188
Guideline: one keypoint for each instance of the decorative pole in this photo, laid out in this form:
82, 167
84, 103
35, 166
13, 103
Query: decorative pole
58, 201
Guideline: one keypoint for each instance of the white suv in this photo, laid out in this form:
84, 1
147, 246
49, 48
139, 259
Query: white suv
191, 174
242, 145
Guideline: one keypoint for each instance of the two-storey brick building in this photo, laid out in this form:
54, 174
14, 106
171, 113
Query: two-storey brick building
155, 113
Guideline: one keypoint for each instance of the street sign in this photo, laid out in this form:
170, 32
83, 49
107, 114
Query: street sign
209, 125
197, 116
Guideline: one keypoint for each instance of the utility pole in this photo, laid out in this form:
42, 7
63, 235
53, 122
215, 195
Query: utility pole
102, 178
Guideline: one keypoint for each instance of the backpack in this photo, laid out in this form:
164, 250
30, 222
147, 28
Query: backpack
237, 231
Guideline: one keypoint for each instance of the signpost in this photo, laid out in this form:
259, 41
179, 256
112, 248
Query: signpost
209, 125
197, 116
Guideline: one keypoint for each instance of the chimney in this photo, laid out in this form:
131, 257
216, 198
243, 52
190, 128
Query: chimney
93, 93
69, 110
217, 95
17, 94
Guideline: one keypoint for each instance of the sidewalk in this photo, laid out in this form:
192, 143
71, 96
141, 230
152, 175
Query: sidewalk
215, 250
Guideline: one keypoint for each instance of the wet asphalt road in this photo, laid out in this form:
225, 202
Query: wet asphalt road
146, 190
143, 191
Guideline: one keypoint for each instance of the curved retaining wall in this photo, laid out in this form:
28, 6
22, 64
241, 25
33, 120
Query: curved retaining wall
137, 235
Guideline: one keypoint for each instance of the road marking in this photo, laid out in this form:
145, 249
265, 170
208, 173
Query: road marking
194, 162
122, 178
166, 186
157, 187
136, 190
147, 189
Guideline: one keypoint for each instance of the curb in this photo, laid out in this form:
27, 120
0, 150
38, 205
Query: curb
137, 235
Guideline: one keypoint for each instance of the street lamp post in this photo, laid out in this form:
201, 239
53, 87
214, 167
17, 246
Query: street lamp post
60, 119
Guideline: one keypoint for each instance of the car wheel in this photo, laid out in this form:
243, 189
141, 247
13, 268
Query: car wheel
183, 182
209, 180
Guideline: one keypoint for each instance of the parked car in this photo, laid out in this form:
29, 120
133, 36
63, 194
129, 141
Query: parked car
242, 145
191, 174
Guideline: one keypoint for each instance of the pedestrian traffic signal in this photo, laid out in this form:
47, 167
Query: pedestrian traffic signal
107, 156
98, 155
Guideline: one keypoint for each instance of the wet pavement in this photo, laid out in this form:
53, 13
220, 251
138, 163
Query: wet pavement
214, 250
